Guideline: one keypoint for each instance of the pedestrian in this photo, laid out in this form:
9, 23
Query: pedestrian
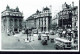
27, 33
32, 36
18, 40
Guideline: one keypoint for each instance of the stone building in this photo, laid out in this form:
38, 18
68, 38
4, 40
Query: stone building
41, 20
55, 19
68, 20
66, 16
74, 17
11, 20
75, 22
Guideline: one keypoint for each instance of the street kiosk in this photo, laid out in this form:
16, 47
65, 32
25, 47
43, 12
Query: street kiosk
44, 39
39, 36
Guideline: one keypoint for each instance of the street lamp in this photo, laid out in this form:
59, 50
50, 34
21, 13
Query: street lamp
27, 33
27, 39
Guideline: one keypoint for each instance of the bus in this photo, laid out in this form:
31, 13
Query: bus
61, 43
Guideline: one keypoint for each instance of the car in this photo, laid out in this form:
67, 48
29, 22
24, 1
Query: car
8, 34
52, 33
35, 31
23, 31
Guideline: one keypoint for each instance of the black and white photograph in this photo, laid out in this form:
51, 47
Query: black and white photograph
39, 25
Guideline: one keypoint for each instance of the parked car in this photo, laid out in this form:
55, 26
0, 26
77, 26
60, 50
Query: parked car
39, 37
8, 34
23, 31
52, 33
59, 46
35, 31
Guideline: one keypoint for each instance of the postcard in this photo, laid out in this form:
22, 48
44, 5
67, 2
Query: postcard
39, 25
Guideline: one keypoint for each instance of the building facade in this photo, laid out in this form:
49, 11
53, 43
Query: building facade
11, 20
74, 17
66, 16
68, 21
55, 19
41, 20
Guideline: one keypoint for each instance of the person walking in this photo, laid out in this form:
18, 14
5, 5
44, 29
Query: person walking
27, 34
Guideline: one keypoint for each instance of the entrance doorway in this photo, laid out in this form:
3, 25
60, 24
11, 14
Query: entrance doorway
16, 30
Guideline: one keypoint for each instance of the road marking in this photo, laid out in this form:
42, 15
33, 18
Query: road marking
31, 46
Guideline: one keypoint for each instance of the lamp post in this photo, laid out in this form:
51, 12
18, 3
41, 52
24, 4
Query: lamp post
62, 22
47, 35
27, 33
27, 39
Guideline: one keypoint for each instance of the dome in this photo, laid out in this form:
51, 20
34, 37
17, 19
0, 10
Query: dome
17, 9
46, 8
37, 11
7, 8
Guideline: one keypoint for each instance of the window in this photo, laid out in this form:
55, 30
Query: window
75, 24
16, 14
10, 14
20, 23
7, 13
13, 14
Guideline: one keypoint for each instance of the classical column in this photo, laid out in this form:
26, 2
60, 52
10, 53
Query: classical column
43, 24
18, 24
39, 24
7, 24
46, 24
3, 28
13, 24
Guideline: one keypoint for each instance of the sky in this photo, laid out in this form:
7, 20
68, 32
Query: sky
29, 7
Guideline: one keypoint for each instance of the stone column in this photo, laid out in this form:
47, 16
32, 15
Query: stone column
43, 24
7, 25
3, 28
46, 24
13, 24
18, 24
40, 24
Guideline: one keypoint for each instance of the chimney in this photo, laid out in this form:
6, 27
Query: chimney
72, 4
50, 8
62, 6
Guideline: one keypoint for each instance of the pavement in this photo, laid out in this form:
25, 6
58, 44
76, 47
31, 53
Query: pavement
17, 42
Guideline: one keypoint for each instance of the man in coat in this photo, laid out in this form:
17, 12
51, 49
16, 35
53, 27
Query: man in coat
27, 33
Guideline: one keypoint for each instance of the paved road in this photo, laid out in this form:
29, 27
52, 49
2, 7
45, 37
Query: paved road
12, 43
